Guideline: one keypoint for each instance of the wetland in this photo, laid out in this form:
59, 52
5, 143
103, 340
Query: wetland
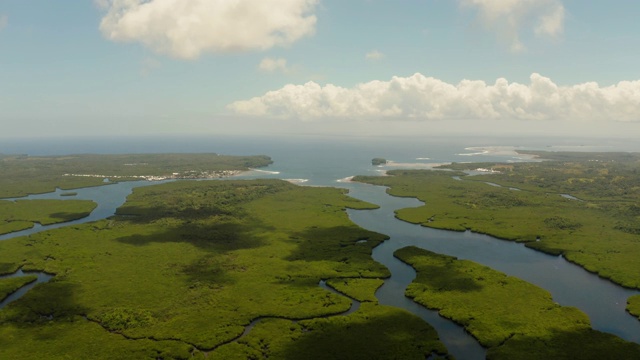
218, 243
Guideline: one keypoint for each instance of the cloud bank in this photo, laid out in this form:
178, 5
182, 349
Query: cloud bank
186, 29
425, 98
508, 18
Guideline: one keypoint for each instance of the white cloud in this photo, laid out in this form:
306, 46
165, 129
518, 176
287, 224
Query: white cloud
374, 55
426, 98
4, 21
185, 29
273, 65
509, 17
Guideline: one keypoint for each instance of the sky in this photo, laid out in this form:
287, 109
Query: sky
336, 67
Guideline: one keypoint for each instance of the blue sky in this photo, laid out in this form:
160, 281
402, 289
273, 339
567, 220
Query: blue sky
132, 67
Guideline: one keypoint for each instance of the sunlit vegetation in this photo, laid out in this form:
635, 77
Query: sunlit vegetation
633, 305
184, 267
360, 289
512, 318
23, 174
11, 285
599, 232
22, 214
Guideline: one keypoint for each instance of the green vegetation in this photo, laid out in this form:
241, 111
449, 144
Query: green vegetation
608, 177
23, 174
373, 332
633, 305
22, 214
600, 233
10, 285
185, 266
512, 318
357, 288
378, 161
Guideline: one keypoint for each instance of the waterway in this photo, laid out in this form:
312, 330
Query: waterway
41, 277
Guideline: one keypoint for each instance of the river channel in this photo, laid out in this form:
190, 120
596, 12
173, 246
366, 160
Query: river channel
570, 285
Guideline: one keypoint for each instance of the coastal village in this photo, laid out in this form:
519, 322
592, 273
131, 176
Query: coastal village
192, 175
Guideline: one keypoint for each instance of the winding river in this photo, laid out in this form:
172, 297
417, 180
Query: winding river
569, 284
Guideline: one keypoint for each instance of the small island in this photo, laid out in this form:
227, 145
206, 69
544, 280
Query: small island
378, 161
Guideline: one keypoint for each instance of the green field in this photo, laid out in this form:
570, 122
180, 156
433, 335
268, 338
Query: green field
22, 214
185, 266
512, 318
599, 232
633, 306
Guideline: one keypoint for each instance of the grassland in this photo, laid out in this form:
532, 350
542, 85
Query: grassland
599, 232
23, 174
512, 318
633, 306
22, 214
184, 267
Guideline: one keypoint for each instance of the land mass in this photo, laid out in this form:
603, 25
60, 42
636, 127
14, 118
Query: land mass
23, 174
510, 317
215, 269
583, 206
23, 214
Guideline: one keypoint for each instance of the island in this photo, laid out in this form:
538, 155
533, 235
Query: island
378, 161
510, 317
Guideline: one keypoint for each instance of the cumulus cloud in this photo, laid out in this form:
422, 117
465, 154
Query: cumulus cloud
273, 65
374, 55
426, 98
508, 18
186, 29
4, 21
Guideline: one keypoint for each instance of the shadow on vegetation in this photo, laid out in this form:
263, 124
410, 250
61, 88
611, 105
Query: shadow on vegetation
448, 278
53, 301
67, 216
580, 344
210, 271
184, 212
211, 235
337, 243
390, 336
